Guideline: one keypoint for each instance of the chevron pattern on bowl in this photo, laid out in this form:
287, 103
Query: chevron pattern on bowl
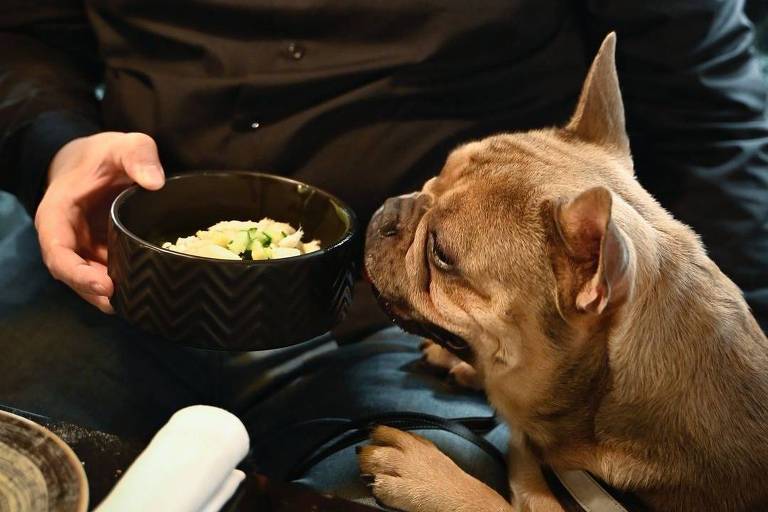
229, 305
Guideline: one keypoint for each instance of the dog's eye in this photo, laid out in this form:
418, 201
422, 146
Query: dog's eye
439, 258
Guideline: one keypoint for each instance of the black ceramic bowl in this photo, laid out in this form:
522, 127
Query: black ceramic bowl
223, 304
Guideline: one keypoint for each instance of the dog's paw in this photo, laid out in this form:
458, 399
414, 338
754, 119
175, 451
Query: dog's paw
435, 355
465, 375
408, 472
458, 371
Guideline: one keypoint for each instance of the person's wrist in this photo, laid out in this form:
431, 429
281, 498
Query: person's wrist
42, 140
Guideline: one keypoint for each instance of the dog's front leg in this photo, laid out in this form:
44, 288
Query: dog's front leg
409, 473
530, 492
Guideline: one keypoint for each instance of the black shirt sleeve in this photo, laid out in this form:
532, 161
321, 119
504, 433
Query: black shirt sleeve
48, 72
696, 115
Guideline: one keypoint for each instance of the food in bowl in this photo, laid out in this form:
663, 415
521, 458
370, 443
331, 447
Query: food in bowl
245, 240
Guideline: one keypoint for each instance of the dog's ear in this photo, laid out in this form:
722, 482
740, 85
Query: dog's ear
599, 115
592, 260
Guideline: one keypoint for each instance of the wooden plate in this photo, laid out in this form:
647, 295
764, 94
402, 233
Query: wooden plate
38, 471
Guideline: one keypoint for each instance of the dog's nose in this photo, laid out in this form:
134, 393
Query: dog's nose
395, 212
391, 228
389, 220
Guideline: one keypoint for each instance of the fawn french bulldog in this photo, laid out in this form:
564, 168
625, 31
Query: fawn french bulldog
594, 321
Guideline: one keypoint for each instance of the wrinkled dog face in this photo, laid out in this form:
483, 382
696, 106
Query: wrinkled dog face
469, 256
460, 256
512, 254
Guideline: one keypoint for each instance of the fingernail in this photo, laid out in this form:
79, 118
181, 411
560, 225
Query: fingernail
152, 173
98, 289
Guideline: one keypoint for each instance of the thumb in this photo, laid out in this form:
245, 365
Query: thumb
138, 157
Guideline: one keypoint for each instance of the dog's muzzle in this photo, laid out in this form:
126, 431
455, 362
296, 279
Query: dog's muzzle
395, 217
397, 213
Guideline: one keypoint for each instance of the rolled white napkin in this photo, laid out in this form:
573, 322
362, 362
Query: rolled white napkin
189, 466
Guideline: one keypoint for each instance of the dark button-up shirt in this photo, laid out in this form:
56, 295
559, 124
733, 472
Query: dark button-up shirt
365, 98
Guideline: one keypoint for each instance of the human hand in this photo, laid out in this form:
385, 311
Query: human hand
84, 177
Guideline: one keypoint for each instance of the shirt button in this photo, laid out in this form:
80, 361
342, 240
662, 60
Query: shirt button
245, 124
296, 51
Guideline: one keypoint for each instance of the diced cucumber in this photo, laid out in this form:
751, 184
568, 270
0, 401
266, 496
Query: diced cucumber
260, 237
275, 233
262, 240
239, 242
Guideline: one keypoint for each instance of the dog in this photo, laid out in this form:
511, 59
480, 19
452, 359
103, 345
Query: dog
595, 322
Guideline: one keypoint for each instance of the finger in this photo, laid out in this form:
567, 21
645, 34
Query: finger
89, 278
57, 243
137, 154
101, 302
99, 254
102, 268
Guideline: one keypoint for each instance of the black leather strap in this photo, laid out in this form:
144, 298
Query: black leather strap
358, 430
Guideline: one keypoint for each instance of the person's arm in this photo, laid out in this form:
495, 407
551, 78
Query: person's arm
696, 116
53, 154
49, 69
